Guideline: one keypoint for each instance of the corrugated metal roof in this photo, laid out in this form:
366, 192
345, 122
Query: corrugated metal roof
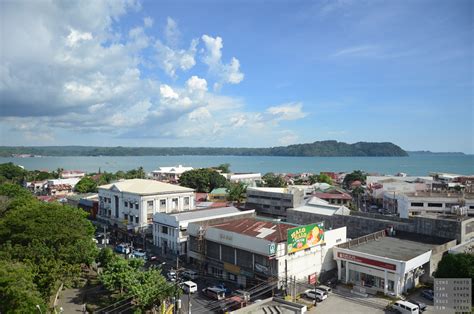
268, 230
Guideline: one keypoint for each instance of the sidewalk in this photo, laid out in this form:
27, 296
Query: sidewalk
371, 300
70, 300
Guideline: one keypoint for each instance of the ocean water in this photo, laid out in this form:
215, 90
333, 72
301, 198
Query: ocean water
412, 165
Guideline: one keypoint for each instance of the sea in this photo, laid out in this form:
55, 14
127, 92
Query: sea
417, 165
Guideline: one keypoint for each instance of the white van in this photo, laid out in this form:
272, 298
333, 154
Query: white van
189, 287
406, 307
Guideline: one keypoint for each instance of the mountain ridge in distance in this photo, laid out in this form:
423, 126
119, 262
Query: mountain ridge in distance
328, 148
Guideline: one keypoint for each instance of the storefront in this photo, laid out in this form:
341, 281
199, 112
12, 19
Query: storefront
379, 263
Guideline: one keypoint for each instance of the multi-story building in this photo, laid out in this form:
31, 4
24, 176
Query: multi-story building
248, 250
410, 204
273, 202
169, 174
249, 179
169, 230
131, 203
67, 174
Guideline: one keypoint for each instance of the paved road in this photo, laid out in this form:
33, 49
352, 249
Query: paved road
71, 301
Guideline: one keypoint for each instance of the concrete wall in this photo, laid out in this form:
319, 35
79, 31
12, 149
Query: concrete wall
359, 224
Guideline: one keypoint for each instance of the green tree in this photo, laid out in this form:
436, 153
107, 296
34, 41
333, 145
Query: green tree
150, 288
237, 192
12, 173
18, 292
273, 180
225, 168
356, 175
118, 275
86, 185
321, 178
202, 180
106, 257
55, 240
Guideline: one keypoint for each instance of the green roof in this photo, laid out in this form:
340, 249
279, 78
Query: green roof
219, 191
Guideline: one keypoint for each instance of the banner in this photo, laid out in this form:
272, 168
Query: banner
304, 237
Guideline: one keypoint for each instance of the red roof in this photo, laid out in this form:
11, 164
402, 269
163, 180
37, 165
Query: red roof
257, 228
339, 196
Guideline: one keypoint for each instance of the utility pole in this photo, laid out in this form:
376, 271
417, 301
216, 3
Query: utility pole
286, 277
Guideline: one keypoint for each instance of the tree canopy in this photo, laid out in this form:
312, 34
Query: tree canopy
237, 192
272, 180
356, 175
202, 180
51, 240
225, 168
321, 178
86, 185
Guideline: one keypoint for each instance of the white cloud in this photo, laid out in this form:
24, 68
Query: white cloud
194, 83
167, 92
148, 21
170, 60
358, 51
289, 111
226, 73
75, 37
172, 33
287, 138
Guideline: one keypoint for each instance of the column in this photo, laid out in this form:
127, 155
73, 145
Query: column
339, 270
397, 284
385, 282
347, 272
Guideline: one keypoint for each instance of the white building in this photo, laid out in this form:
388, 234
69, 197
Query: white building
388, 264
132, 203
70, 181
169, 230
67, 174
321, 207
246, 249
439, 202
169, 174
249, 179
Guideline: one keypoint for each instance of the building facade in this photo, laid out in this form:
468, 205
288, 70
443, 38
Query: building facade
410, 204
169, 174
274, 202
170, 230
247, 251
130, 204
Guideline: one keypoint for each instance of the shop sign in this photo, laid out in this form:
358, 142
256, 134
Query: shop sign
312, 279
304, 237
272, 248
366, 261
225, 237
231, 268
262, 269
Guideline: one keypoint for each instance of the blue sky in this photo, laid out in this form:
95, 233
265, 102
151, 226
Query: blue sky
238, 73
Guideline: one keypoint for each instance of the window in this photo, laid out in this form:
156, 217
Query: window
164, 230
435, 205
125, 216
266, 206
136, 219
162, 204
131, 218
149, 205
277, 207
186, 201
136, 205
417, 204
232, 277
174, 203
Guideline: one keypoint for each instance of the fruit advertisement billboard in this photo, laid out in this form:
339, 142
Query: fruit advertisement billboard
304, 237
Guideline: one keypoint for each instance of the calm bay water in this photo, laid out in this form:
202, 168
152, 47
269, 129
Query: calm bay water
413, 165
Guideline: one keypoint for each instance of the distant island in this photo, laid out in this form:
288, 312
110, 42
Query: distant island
430, 153
316, 149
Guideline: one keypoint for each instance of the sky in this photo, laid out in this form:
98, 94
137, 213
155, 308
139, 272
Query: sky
237, 73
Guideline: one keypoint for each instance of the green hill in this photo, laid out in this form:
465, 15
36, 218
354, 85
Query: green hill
321, 148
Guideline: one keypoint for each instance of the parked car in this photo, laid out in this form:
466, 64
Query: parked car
316, 294
190, 274
324, 288
122, 248
421, 305
139, 254
427, 294
171, 275
214, 293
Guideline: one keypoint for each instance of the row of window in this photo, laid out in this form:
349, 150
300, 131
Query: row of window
270, 198
130, 218
126, 204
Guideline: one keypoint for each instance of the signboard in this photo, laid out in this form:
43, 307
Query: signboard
272, 248
231, 268
366, 261
262, 269
304, 237
312, 279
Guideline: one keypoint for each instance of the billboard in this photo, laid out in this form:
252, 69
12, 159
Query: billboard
304, 237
